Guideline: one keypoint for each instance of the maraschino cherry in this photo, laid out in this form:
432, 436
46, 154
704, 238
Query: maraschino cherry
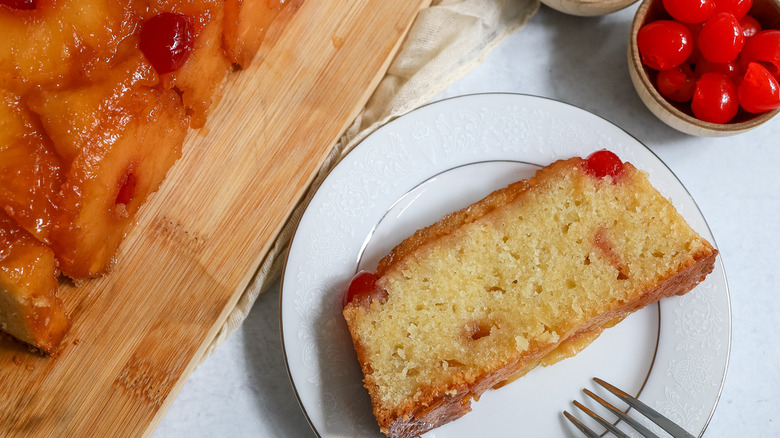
604, 163
363, 288
166, 41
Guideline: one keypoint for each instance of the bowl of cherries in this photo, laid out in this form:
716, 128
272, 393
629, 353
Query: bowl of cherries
707, 67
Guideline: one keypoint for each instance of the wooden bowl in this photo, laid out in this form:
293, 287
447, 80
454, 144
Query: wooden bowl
679, 115
588, 8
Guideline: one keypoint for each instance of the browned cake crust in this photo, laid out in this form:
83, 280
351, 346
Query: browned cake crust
433, 405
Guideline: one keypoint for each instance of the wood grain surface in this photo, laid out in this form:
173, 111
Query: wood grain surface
140, 331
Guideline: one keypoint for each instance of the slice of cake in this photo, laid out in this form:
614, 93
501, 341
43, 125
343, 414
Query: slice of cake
483, 295
29, 308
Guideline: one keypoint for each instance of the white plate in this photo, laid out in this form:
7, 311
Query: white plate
441, 158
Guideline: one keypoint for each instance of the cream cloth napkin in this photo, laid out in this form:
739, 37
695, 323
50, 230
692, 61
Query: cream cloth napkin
446, 40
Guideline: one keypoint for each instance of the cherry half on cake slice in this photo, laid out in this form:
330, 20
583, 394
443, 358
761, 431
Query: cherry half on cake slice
166, 40
604, 163
363, 289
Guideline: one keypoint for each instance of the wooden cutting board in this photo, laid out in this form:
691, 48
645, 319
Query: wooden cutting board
139, 332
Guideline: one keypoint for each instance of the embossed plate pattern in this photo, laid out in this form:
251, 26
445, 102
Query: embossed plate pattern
440, 158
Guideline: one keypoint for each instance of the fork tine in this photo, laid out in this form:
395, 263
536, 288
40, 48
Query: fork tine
609, 426
645, 432
665, 424
579, 425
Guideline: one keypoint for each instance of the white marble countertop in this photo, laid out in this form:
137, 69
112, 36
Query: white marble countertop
243, 389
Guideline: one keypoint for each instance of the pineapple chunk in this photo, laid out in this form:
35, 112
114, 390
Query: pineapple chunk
201, 77
29, 309
246, 23
30, 173
71, 117
61, 42
118, 138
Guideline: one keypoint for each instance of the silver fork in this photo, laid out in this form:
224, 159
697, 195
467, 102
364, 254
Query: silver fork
663, 422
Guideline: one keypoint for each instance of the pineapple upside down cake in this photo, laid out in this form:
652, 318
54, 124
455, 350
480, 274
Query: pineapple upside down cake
95, 100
